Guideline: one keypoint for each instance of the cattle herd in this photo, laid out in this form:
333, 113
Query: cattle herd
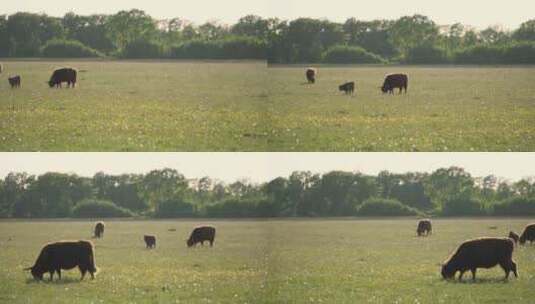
484, 252
65, 255
59, 76
391, 82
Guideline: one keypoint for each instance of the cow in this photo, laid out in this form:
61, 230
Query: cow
150, 241
481, 253
424, 228
14, 81
513, 236
394, 81
311, 75
1, 68
201, 234
348, 88
528, 234
64, 255
59, 76
99, 230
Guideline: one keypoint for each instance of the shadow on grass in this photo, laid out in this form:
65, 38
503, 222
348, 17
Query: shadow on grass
482, 281
63, 281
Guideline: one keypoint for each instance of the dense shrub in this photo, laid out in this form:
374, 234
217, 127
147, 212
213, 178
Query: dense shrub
518, 206
143, 49
462, 206
426, 54
68, 49
230, 48
350, 55
520, 53
232, 208
480, 54
174, 208
384, 207
97, 208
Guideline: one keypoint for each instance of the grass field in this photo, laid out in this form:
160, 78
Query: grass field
283, 261
244, 106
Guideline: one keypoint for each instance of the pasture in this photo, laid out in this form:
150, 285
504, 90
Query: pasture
278, 261
245, 106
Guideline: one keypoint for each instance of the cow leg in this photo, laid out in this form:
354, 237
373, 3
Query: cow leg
461, 275
513, 266
59, 273
474, 274
211, 243
51, 275
83, 271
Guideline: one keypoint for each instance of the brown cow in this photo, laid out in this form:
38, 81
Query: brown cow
59, 76
99, 230
513, 236
481, 253
528, 234
65, 255
201, 234
150, 241
424, 227
311, 75
14, 81
394, 81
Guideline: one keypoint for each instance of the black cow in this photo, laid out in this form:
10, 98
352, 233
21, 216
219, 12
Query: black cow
424, 228
201, 234
14, 81
150, 241
99, 230
528, 234
347, 88
65, 255
311, 75
59, 76
394, 81
481, 253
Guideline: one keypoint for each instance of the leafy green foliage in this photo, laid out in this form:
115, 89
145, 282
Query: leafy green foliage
174, 208
99, 209
143, 49
350, 55
384, 207
68, 49
516, 206
426, 54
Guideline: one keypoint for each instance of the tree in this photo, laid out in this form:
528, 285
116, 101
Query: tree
410, 31
447, 184
526, 31
128, 26
163, 185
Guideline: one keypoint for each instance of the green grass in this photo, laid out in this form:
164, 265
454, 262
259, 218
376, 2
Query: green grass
282, 261
244, 106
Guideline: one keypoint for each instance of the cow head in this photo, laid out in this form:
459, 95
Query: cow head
36, 272
51, 83
190, 242
447, 271
385, 88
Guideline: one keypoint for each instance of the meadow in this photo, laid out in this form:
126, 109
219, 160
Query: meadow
265, 261
246, 106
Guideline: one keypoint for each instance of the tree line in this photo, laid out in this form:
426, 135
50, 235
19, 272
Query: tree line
166, 193
134, 34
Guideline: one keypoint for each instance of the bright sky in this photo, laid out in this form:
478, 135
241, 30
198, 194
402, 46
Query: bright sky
259, 167
479, 13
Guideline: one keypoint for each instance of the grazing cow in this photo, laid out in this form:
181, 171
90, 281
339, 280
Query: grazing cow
528, 234
514, 236
14, 81
481, 253
99, 230
311, 75
59, 76
347, 88
394, 81
150, 241
65, 255
201, 234
424, 227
